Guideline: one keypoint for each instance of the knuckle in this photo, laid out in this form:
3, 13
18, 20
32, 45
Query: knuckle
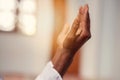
86, 35
89, 36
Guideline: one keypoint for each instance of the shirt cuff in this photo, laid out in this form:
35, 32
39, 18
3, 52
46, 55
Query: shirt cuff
49, 73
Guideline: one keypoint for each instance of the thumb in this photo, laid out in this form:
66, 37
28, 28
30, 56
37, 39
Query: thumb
65, 29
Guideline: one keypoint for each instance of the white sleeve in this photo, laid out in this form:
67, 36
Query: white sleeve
49, 73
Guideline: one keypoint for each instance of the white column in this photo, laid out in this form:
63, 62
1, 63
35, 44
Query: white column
108, 38
115, 36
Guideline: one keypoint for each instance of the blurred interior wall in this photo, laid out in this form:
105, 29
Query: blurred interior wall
108, 53
111, 40
28, 54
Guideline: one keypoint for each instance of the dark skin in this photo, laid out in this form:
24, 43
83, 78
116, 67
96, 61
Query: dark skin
71, 40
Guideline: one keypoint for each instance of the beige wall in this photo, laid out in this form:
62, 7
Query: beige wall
28, 54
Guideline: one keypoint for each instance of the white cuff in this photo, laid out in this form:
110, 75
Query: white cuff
49, 73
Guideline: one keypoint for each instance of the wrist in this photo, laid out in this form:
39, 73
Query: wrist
62, 60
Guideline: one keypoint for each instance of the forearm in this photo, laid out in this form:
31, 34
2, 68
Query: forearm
62, 60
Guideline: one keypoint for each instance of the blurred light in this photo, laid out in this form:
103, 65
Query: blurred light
27, 23
28, 6
7, 21
7, 5
26, 17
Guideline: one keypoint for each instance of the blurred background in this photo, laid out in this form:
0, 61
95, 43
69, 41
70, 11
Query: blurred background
29, 29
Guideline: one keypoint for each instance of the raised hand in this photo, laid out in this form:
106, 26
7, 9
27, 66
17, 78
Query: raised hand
70, 40
80, 32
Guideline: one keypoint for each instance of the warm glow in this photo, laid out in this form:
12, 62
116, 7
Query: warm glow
7, 20
28, 6
7, 5
27, 23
